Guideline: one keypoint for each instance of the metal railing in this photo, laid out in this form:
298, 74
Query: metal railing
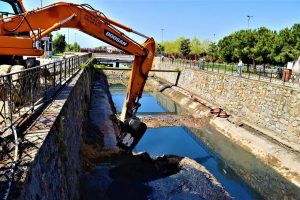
21, 94
266, 75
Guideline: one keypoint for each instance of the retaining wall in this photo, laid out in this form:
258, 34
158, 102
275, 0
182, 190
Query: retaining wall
56, 136
270, 106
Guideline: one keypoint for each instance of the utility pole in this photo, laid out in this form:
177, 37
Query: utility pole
214, 42
162, 35
68, 36
75, 37
249, 17
41, 3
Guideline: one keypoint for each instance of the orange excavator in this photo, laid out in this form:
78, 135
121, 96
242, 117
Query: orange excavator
21, 31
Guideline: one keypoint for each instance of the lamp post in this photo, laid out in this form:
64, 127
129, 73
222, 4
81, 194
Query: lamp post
249, 17
162, 39
214, 53
162, 35
68, 36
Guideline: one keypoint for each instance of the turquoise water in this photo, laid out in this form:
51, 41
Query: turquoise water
182, 142
149, 102
179, 141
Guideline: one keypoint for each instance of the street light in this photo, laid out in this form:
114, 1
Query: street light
214, 47
162, 35
162, 38
249, 17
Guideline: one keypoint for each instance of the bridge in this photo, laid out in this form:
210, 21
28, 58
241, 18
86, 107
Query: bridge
113, 60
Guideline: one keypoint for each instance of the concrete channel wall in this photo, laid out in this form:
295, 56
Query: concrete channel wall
269, 106
263, 170
56, 134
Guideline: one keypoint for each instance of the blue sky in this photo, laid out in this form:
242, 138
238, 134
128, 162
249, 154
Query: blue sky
189, 18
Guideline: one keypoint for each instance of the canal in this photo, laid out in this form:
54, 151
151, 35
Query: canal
153, 103
184, 142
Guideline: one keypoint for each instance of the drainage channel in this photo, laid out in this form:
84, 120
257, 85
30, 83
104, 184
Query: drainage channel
183, 142
152, 103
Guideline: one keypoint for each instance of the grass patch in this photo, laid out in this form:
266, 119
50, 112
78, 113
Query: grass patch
99, 66
58, 55
88, 63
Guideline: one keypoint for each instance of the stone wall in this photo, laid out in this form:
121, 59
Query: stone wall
55, 165
118, 76
267, 105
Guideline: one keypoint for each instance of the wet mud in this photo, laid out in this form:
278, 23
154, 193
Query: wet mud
141, 177
175, 120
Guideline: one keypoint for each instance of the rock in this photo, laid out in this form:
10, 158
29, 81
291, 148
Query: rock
166, 177
235, 120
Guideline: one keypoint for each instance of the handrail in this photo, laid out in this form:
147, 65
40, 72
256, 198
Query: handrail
278, 77
21, 93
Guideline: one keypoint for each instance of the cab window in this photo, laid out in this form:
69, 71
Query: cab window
8, 8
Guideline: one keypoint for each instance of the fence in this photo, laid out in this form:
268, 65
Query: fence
267, 75
21, 93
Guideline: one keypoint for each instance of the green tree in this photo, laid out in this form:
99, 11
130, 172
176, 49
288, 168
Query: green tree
259, 46
282, 49
73, 47
286, 45
59, 43
226, 48
160, 49
264, 46
173, 47
69, 47
205, 44
212, 51
239, 45
76, 47
296, 34
185, 48
246, 49
196, 47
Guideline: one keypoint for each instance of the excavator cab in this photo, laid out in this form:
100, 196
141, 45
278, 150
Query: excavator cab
20, 30
9, 8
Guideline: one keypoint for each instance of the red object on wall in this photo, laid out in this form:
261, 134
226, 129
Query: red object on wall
286, 74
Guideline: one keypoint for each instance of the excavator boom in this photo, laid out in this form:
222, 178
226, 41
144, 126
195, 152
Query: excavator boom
20, 32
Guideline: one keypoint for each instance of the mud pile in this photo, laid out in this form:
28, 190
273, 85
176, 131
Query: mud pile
141, 177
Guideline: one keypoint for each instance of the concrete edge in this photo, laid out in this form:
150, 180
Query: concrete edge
273, 155
231, 131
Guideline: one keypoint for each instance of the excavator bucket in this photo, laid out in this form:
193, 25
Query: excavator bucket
132, 130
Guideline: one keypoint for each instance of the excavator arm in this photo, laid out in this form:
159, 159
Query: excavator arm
42, 21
